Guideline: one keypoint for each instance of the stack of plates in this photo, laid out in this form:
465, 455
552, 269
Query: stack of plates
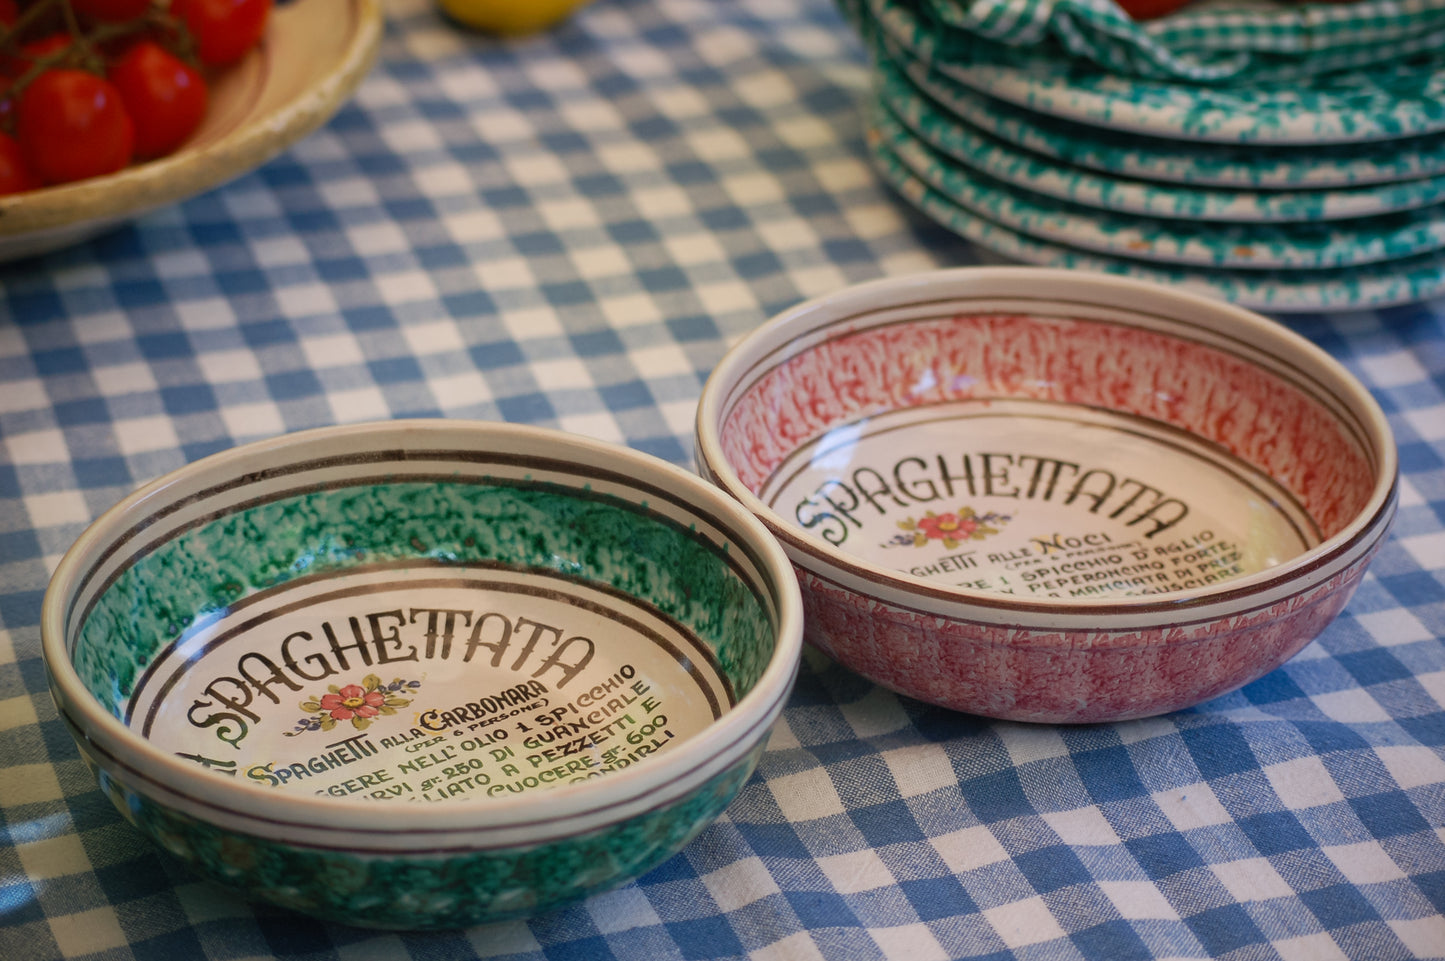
1323, 195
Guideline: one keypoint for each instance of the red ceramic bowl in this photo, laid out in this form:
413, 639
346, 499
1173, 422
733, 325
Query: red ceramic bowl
1048, 495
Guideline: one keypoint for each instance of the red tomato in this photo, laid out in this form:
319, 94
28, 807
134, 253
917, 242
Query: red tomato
72, 125
15, 173
111, 10
51, 43
1150, 9
34, 51
9, 12
224, 30
165, 97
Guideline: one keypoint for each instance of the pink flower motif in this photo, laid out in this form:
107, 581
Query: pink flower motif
947, 527
353, 701
358, 703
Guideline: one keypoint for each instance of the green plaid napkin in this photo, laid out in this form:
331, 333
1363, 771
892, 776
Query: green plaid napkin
1213, 41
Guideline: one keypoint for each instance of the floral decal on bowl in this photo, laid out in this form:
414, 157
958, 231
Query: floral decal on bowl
964, 524
357, 703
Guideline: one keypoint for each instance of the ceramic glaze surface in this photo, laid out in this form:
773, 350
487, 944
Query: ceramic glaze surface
444, 683
430, 890
338, 670
1398, 163
1046, 495
1042, 174
1069, 676
1321, 193
1391, 101
1038, 499
952, 374
1305, 245
1277, 291
381, 631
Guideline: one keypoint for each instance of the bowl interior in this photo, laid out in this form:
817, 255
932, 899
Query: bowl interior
1047, 451
441, 625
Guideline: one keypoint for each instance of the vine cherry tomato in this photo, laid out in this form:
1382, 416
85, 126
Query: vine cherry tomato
113, 11
33, 51
224, 30
72, 125
15, 173
165, 97
1140, 10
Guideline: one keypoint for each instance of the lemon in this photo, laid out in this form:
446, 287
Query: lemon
510, 18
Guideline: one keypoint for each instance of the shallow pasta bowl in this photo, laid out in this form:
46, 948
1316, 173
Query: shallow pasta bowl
423, 674
1050, 495
311, 59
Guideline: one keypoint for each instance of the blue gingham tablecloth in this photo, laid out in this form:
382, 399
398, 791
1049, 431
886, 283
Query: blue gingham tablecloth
569, 231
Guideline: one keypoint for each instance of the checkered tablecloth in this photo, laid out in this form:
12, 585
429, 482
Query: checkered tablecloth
569, 231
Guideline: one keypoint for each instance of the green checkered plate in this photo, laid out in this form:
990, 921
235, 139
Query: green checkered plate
1272, 291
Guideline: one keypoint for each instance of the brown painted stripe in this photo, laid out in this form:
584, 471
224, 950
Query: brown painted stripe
421, 829
760, 587
699, 649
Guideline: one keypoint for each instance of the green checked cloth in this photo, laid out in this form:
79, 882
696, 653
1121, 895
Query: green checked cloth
1210, 42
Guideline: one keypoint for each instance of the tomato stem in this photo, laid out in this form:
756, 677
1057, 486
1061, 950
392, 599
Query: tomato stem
28, 18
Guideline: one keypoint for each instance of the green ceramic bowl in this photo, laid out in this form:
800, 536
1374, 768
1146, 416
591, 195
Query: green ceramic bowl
423, 674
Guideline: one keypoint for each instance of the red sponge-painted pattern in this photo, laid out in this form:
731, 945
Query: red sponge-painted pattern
1264, 418
1073, 676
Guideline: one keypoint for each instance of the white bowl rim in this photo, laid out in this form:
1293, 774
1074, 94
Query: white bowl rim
655, 781
822, 559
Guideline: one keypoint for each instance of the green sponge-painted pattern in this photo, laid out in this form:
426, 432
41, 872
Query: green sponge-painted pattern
438, 891
591, 538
